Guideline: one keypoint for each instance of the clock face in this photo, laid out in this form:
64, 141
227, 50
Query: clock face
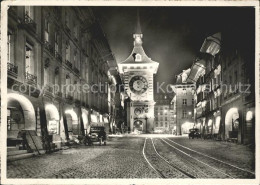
138, 111
138, 84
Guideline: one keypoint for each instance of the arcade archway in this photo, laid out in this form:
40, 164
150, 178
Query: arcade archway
52, 117
232, 123
185, 127
85, 120
20, 115
138, 126
72, 122
216, 125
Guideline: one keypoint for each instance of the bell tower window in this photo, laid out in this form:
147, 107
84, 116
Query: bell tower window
138, 58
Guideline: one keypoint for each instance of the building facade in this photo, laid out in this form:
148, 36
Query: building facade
163, 114
55, 58
224, 97
183, 104
137, 72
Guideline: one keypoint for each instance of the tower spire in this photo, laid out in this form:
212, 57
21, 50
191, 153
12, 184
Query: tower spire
138, 26
138, 33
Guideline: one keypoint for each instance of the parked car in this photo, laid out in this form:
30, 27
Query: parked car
98, 134
194, 133
159, 130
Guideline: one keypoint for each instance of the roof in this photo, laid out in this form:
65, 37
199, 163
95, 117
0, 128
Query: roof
138, 49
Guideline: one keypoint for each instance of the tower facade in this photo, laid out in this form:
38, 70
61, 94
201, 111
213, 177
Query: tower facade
137, 72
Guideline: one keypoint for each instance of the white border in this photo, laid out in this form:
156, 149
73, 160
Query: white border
4, 16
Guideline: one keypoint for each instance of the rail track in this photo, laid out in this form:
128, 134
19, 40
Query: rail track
222, 167
170, 159
160, 164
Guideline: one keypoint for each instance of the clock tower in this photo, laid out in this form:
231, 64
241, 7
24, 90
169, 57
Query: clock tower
137, 72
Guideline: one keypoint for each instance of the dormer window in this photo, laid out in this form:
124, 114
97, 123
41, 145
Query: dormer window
138, 58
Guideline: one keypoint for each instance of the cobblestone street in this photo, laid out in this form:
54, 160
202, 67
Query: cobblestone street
135, 157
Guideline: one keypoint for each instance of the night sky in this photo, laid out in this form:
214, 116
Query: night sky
172, 36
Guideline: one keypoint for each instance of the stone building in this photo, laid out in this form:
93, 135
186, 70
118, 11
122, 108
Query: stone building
225, 98
163, 113
56, 58
137, 73
183, 103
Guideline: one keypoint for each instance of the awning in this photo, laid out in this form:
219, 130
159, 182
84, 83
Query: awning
197, 69
211, 44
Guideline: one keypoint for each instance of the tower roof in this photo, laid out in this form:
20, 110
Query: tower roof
138, 55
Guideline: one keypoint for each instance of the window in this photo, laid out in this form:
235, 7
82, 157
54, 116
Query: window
29, 11
75, 58
184, 101
56, 37
46, 75
10, 47
75, 30
165, 118
192, 101
47, 31
138, 57
166, 124
56, 77
29, 64
67, 21
161, 124
67, 51
184, 113
236, 77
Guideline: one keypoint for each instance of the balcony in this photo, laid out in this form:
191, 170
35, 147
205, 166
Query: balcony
58, 94
69, 97
68, 63
76, 70
48, 46
29, 22
58, 56
77, 102
48, 91
12, 69
30, 78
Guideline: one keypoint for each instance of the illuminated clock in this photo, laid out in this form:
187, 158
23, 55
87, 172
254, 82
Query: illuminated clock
138, 84
138, 111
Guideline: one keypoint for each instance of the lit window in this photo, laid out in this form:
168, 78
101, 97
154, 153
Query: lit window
29, 68
138, 57
56, 42
10, 47
46, 31
29, 11
184, 113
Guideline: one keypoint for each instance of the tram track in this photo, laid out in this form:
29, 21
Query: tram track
160, 164
221, 167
